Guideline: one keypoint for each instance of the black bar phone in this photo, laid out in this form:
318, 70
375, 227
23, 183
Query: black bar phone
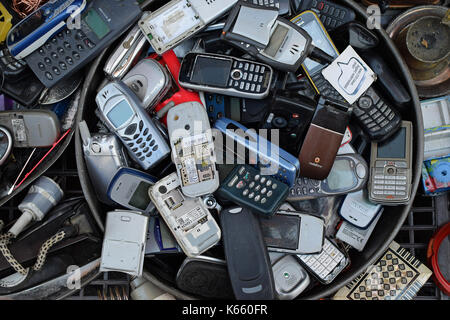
247, 259
377, 118
225, 75
330, 13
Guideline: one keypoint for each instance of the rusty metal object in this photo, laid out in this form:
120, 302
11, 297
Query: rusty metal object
424, 41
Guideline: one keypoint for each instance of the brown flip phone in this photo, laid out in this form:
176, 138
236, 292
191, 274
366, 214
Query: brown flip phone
323, 138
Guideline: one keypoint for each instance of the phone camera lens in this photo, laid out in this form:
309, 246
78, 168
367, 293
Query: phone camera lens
162, 189
279, 122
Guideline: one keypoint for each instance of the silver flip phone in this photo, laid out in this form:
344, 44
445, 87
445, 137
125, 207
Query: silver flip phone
129, 49
104, 156
150, 81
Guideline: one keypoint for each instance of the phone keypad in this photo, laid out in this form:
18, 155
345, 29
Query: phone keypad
390, 178
332, 16
267, 3
327, 264
142, 144
246, 186
60, 55
249, 77
304, 188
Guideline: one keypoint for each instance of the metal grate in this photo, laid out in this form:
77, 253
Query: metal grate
427, 214
108, 286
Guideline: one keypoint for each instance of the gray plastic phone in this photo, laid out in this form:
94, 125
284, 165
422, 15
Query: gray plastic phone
348, 174
150, 81
104, 156
358, 210
289, 276
391, 168
31, 128
124, 242
193, 149
123, 114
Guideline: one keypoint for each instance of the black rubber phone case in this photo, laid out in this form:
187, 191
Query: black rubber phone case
248, 262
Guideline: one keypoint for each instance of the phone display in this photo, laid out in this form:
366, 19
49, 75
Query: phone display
293, 232
129, 188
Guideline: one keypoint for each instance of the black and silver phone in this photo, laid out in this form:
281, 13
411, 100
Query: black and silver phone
225, 75
271, 39
377, 118
391, 168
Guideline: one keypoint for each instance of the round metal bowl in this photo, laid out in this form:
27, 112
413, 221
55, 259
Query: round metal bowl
390, 221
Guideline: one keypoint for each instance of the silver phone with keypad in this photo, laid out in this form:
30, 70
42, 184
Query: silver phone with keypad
124, 115
391, 168
327, 264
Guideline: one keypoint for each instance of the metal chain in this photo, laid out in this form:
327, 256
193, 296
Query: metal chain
5, 239
42, 255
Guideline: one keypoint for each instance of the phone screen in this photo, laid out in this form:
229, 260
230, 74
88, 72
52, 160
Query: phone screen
211, 71
393, 148
96, 23
281, 231
341, 176
120, 113
140, 198
320, 40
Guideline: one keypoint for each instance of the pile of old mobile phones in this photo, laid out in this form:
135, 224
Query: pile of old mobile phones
376, 117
